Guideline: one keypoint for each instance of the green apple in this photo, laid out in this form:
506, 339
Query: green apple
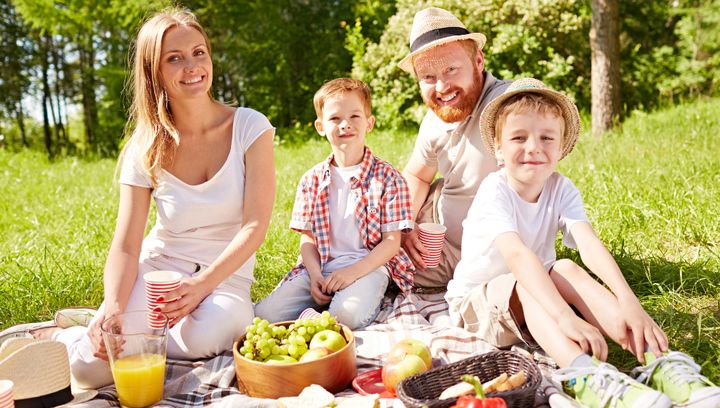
280, 359
329, 339
407, 347
395, 371
315, 354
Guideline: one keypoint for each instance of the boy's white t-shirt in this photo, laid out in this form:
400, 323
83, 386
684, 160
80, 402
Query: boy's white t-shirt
197, 222
346, 246
496, 209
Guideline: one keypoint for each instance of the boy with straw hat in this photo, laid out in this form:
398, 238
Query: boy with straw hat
449, 65
510, 288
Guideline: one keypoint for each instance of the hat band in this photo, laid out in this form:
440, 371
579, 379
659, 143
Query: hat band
437, 34
49, 400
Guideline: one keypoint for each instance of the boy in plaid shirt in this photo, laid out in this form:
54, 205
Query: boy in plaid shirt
351, 209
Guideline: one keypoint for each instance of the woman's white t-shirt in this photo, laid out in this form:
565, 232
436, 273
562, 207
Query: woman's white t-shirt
496, 209
197, 222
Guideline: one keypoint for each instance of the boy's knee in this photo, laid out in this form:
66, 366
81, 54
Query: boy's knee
567, 268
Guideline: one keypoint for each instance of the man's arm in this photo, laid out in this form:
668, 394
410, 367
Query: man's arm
418, 176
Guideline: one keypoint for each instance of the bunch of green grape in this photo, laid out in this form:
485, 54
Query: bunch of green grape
263, 339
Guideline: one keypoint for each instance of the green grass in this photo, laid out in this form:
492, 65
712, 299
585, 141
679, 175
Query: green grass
651, 191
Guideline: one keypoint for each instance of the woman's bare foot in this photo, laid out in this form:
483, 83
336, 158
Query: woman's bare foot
45, 333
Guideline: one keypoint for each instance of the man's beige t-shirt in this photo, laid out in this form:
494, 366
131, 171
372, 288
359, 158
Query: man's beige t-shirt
458, 152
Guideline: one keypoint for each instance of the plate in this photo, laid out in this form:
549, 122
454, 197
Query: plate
370, 382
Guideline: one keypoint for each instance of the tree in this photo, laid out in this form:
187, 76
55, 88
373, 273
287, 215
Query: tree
605, 71
14, 61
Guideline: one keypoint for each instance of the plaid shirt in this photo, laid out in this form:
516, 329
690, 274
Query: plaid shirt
382, 204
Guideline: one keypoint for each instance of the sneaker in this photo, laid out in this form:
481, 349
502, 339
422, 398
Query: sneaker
678, 376
74, 316
23, 330
602, 385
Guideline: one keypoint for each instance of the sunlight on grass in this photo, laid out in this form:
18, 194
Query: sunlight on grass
650, 190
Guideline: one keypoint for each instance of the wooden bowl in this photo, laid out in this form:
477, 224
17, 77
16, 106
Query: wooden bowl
333, 372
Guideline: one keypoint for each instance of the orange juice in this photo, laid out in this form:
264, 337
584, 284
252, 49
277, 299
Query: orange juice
139, 379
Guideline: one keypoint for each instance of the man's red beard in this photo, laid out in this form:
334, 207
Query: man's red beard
467, 100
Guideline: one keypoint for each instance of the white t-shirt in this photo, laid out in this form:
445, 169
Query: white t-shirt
197, 222
496, 209
346, 246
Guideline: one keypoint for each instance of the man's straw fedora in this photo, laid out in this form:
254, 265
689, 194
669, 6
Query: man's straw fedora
488, 118
432, 27
40, 371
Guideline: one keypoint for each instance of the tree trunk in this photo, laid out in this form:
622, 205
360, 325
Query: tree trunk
59, 126
605, 71
46, 99
87, 61
20, 117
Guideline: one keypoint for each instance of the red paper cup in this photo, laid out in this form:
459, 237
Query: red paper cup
432, 236
157, 283
6, 396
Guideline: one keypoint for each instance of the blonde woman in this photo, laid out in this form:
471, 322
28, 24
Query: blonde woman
210, 170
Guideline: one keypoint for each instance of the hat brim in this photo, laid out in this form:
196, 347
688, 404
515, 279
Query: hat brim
406, 64
570, 114
81, 396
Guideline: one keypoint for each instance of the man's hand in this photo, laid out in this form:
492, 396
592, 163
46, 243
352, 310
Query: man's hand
414, 248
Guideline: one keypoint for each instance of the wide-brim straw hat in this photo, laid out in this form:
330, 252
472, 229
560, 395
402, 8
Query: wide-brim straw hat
432, 27
40, 371
570, 114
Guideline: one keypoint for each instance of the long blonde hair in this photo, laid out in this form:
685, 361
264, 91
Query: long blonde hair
150, 128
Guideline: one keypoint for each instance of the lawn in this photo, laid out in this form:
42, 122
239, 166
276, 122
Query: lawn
651, 191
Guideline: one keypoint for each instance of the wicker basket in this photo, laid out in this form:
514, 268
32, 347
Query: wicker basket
423, 389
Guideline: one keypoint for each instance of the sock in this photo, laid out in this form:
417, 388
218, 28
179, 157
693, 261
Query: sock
583, 360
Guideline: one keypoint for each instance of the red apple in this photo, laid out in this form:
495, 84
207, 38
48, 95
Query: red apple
408, 347
329, 339
395, 371
315, 353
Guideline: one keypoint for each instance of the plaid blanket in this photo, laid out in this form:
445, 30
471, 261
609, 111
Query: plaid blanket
213, 382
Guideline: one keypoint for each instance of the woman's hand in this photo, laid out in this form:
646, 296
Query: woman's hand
587, 336
186, 297
640, 330
95, 333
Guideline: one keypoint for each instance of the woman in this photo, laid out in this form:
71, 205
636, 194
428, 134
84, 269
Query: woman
210, 169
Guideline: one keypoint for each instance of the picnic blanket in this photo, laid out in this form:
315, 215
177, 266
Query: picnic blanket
213, 382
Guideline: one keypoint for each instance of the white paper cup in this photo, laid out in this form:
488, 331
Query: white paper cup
432, 236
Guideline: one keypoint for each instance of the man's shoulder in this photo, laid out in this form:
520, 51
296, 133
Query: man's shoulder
494, 87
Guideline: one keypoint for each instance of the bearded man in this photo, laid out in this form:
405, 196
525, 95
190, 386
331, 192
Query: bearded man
449, 65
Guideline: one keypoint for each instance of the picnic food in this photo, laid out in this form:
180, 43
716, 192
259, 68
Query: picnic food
334, 371
503, 382
405, 358
263, 340
328, 339
312, 396
479, 401
410, 346
315, 396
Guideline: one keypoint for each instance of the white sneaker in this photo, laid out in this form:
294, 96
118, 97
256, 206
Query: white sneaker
74, 316
678, 376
